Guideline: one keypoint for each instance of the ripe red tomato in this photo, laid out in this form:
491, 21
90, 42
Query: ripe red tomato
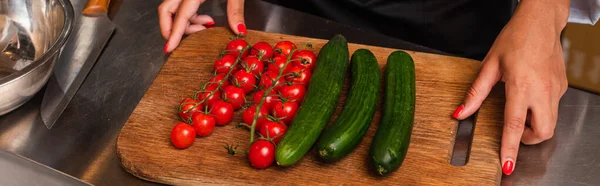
286, 111
203, 124
244, 80
263, 50
248, 116
276, 130
187, 108
277, 64
217, 79
305, 58
182, 135
223, 65
299, 75
252, 64
294, 92
269, 100
285, 48
235, 46
261, 154
234, 96
204, 95
266, 80
223, 112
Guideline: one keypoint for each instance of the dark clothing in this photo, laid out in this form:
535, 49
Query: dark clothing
465, 28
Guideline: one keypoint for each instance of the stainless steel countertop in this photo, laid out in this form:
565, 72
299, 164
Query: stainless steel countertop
83, 141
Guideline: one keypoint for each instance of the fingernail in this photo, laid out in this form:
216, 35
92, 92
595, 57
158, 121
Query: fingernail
209, 24
166, 47
508, 166
242, 28
458, 111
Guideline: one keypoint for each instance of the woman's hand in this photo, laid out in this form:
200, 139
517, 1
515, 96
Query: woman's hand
527, 56
178, 17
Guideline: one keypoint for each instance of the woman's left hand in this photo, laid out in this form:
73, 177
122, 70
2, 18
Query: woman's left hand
527, 56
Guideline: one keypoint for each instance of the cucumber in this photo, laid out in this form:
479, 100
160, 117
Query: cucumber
347, 131
319, 103
391, 141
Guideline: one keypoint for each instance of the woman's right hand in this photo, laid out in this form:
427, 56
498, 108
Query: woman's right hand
178, 17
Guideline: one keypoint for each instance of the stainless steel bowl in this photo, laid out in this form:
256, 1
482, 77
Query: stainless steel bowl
33, 35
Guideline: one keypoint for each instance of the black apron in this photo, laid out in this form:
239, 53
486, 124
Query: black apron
464, 28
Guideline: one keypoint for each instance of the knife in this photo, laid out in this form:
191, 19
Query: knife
92, 31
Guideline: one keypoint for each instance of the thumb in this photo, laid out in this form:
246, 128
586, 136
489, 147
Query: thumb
488, 76
235, 16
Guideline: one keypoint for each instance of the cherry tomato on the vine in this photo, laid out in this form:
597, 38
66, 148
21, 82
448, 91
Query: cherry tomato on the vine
245, 80
223, 65
248, 116
276, 130
182, 135
285, 48
278, 63
269, 100
305, 58
235, 46
188, 107
203, 124
217, 79
294, 92
263, 50
252, 64
205, 95
286, 111
234, 96
222, 111
266, 80
261, 154
300, 75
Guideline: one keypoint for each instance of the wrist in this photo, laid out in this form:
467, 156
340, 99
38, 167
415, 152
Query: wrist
552, 13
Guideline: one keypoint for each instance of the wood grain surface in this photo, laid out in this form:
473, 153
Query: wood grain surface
145, 151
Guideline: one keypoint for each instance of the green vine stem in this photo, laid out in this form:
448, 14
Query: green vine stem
262, 100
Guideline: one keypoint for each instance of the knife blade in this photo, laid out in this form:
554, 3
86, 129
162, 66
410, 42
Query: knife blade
92, 32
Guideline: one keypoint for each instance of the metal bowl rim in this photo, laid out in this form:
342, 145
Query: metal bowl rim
56, 47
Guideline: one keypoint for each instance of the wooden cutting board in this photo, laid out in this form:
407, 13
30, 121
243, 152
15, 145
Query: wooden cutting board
145, 151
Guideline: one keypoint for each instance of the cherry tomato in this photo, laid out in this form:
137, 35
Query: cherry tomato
235, 46
261, 154
278, 63
245, 80
276, 130
285, 48
204, 95
248, 116
300, 75
266, 80
182, 135
286, 111
294, 92
234, 96
252, 64
223, 112
203, 124
305, 58
262, 50
269, 100
223, 65
217, 79
188, 108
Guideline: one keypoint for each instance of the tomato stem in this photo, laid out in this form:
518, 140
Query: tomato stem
267, 92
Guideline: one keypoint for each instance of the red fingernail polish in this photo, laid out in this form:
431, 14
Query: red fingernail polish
209, 24
166, 47
458, 111
242, 28
508, 167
